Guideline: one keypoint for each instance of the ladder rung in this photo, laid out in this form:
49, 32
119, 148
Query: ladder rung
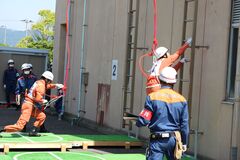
131, 43
126, 108
184, 80
131, 26
128, 91
129, 75
202, 47
188, 20
130, 59
189, 0
142, 48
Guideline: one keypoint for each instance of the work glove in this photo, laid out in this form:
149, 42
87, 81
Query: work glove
189, 41
4, 86
185, 60
18, 99
59, 86
184, 148
45, 101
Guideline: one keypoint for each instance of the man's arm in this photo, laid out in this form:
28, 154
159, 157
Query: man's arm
145, 116
4, 77
172, 58
18, 88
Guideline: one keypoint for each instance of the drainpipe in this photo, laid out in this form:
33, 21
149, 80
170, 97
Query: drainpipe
82, 68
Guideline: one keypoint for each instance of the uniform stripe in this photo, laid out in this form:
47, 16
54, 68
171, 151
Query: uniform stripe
167, 95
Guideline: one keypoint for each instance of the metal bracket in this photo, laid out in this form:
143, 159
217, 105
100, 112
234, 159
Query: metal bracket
207, 47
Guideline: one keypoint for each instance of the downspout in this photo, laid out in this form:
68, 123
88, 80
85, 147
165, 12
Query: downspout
67, 43
82, 68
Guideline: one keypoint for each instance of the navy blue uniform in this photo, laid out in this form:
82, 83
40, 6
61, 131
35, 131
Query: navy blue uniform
10, 79
24, 83
165, 111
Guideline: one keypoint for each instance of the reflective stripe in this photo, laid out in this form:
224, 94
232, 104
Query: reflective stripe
155, 85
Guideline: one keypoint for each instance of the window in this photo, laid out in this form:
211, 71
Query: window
232, 50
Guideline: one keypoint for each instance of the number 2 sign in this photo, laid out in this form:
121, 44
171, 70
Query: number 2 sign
114, 69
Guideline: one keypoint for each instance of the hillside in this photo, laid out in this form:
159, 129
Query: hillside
12, 36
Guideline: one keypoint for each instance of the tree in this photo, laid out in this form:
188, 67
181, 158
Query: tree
42, 33
3, 45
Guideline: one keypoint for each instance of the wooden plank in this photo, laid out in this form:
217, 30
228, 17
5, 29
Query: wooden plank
106, 143
85, 145
63, 148
36, 145
127, 145
6, 148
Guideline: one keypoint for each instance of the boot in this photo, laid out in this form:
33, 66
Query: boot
43, 129
18, 107
34, 132
24, 129
2, 129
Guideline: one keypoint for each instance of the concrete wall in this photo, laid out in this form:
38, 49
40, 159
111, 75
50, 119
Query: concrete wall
105, 40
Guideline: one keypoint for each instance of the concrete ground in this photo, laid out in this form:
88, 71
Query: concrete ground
10, 116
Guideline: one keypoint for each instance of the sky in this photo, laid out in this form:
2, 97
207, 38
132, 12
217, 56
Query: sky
13, 11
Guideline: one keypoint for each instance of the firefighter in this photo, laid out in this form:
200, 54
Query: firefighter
59, 105
32, 105
165, 113
9, 81
24, 83
163, 59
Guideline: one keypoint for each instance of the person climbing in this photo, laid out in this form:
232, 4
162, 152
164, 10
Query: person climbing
163, 59
33, 104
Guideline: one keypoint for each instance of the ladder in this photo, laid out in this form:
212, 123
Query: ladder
193, 28
130, 61
187, 20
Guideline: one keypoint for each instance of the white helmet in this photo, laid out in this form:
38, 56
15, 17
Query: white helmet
48, 75
10, 61
25, 66
160, 51
30, 65
168, 75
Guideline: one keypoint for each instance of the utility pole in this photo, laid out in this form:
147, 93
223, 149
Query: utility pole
26, 21
5, 34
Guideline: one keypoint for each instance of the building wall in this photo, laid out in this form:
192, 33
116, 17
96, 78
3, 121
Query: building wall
105, 40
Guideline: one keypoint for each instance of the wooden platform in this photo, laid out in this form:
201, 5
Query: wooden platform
63, 141
62, 146
86, 144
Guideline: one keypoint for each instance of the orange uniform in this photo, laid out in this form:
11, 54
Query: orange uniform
32, 101
153, 83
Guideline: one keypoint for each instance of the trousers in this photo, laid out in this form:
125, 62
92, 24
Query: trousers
158, 148
27, 111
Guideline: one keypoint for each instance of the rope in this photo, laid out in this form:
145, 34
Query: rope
64, 89
155, 41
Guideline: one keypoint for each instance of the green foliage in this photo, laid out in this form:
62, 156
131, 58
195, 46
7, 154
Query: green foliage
42, 33
3, 45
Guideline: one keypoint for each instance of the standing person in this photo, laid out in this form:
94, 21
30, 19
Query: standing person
59, 104
163, 59
166, 115
32, 105
24, 83
9, 81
